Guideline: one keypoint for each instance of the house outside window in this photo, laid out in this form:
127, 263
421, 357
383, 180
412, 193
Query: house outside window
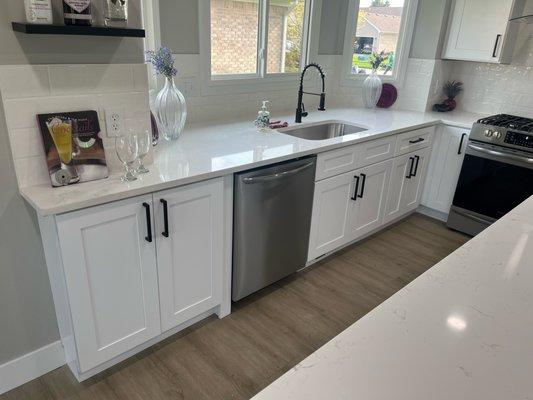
376, 26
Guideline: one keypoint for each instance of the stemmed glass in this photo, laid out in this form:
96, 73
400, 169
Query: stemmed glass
144, 140
127, 148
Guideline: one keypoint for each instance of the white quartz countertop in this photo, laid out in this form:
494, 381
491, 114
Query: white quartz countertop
210, 150
462, 330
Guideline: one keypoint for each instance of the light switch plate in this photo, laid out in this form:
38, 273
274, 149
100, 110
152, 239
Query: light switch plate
114, 121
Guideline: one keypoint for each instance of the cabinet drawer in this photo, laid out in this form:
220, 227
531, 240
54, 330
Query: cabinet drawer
376, 151
414, 140
336, 162
349, 158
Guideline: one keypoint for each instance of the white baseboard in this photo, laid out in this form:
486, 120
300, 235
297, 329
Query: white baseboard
30, 366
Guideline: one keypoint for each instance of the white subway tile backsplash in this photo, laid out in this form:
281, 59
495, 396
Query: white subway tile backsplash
30, 90
26, 143
31, 171
18, 81
80, 79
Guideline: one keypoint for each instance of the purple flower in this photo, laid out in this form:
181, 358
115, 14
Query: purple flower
162, 61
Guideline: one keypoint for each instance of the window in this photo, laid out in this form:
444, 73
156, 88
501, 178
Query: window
382, 27
251, 39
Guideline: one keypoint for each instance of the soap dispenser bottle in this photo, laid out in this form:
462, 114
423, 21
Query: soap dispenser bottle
263, 117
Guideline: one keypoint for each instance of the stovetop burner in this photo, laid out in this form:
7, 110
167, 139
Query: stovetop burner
509, 121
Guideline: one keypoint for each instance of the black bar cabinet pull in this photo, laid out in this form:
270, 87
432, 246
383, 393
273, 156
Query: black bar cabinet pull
416, 165
494, 54
354, 197
363, 186
461, 143
411, 168
416, 140
148, 237
165, 217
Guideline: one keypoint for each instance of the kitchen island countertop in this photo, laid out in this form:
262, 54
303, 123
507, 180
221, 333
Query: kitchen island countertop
462, 330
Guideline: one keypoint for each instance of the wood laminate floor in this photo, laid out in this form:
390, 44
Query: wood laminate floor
268, 333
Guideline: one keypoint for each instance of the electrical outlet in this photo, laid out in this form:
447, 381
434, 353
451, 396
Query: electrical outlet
114, 121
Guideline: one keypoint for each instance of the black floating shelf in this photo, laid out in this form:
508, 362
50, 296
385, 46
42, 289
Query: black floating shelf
36, 29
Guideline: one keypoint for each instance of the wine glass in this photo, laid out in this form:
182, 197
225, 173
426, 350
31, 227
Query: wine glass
144, 140
127, 149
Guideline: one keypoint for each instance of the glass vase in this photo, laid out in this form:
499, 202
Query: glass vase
372, 87
170, 110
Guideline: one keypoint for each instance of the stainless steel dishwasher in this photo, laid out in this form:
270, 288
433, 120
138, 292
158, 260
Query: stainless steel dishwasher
271, 222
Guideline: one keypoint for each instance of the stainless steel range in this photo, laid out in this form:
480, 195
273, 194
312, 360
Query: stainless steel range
497, 172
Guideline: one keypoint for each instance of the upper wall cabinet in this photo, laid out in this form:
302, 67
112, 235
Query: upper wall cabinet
477, 30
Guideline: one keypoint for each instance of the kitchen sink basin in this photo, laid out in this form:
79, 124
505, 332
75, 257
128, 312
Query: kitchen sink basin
322, 130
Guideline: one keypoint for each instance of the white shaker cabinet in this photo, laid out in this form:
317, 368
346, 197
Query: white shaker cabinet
331, 208
476, 30
189, 226
109, 262
130, 273
406, 185
444, 168
368, 208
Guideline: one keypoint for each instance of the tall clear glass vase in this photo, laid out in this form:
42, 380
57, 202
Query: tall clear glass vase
372, 87
170, 110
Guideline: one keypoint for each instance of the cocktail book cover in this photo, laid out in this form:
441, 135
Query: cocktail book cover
73, 147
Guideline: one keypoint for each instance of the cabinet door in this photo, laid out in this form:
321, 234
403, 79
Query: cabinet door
329, 222
476, 29
444, 168
189, 226
111, 278
414, 185
367, 210
400, 170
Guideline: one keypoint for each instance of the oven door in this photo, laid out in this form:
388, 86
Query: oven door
492, 182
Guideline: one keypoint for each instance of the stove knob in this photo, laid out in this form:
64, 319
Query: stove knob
488, 133
497, 135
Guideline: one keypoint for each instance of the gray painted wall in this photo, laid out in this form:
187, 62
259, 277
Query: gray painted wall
430, 28
332, 27
17, 48
179, 26
26, 307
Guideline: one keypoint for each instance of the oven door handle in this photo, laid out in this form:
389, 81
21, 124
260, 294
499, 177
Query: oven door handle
500, 154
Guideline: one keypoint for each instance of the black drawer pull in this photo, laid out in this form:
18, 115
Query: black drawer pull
363, 186
416, 165
417, 140
148, 236
354, 197
461, 143
165, 233
411, 168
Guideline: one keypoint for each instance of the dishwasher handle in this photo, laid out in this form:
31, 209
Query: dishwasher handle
279, 175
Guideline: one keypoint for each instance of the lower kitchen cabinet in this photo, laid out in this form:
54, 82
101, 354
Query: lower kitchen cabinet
109, 262
369, 205
126, 274
190, 253
347, 206
406, 185
444, 168
331, 207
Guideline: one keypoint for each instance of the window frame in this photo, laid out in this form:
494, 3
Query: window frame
261, 80
405, 37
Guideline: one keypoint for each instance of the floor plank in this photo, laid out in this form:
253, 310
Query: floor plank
269, 332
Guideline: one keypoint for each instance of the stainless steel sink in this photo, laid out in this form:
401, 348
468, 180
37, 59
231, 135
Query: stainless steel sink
322, 130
